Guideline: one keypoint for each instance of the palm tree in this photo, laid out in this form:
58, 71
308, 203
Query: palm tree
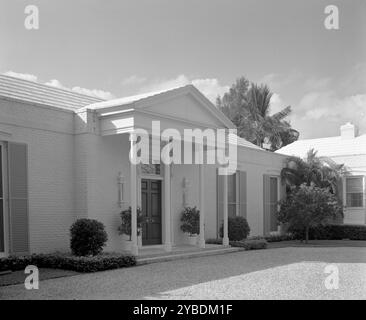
248, 107
266, 128
313, 170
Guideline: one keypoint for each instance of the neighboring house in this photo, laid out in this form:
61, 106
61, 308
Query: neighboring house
65, 156
349, 149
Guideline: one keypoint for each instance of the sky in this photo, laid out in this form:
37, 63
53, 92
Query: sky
118, 48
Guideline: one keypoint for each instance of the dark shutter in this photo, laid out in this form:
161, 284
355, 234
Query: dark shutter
266, 205
18, 198
220, 200
243, 193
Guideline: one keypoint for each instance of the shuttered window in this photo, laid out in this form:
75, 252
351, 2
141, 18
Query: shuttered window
237, 195
354, 192
18, 197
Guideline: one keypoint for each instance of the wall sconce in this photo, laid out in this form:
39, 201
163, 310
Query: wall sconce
121, 186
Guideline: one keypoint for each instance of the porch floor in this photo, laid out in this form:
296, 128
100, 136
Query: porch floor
151, 254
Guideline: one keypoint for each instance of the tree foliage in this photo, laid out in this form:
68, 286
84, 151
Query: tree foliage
313, 170
248, 107
309, 206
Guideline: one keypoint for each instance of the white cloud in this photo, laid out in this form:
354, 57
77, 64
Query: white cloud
210, 87
55, 83
25, 76
106, 95
276, 103
133, 80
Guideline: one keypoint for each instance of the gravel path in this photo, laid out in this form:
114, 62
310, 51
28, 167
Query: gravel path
280, 273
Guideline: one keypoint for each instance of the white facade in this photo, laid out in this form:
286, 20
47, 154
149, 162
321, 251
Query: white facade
349, 148
78, 159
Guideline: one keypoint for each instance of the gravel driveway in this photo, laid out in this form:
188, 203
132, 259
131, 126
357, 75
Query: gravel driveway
280, 273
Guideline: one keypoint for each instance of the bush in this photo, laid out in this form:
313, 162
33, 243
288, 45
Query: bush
274, 237
125, 227
333, 232
190, 220
250, 244
238, 228
88, 237
67, 262
308, 207
214, 241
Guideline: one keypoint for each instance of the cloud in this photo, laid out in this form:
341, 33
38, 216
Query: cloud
210, 87
106, 95
276, 103
133, 80
25, 76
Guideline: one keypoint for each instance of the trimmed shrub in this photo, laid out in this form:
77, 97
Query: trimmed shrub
250, 244
214, 241
67, 262
190, 221
88, 237
274, 237
238, 228
333, 232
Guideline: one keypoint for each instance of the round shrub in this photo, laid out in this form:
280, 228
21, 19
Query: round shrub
238, 228
88, 237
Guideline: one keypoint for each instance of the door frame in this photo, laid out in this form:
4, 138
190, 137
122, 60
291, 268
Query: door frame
4, 177
162, 197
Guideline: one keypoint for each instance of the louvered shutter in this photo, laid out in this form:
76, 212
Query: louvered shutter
18, 198
243, 194
266, 205
220, 200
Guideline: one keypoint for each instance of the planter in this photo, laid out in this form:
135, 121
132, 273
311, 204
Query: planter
192, 240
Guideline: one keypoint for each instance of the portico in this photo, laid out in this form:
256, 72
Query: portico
129, 118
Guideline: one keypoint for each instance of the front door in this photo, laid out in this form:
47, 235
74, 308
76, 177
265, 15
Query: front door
151, 210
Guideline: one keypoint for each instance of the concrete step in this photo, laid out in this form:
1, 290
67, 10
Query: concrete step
185, 255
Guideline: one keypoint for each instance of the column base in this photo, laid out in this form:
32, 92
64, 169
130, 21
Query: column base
202, 243
168, 247
225, 241
135, 250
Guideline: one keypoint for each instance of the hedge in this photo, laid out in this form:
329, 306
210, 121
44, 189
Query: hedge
333, 232
250, 244
68, 262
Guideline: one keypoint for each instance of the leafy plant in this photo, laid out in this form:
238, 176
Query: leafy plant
125, 227
250, 244
307, 207
88, 237
190, 221
238, 228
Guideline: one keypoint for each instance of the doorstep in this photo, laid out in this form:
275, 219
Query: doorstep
178, 255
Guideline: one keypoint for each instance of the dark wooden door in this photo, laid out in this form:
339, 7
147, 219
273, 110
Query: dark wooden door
151, 209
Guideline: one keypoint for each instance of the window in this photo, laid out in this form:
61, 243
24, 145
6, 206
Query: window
354, 192
233, 198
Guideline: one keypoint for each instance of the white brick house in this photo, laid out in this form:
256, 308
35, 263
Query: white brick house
65, 156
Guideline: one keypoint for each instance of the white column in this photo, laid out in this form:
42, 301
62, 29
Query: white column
202, 241
225, 240
133, 173
167, 208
